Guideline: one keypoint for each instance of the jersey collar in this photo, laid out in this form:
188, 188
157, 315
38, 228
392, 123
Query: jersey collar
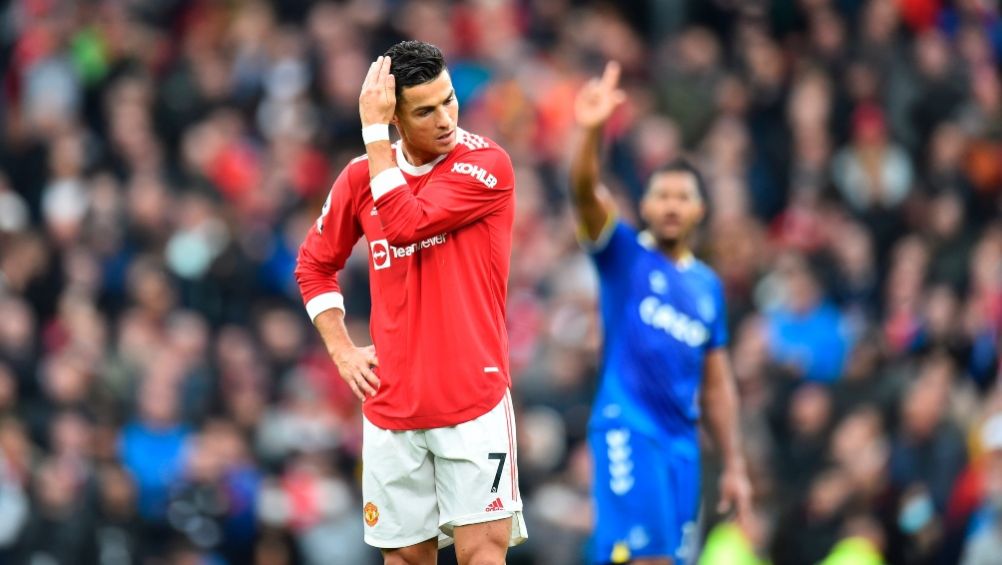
415, 171
646, 240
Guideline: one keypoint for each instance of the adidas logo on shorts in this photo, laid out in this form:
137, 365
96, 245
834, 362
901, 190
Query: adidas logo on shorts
494, 506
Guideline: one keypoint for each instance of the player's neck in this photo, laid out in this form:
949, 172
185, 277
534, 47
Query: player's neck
416, 158
678, 251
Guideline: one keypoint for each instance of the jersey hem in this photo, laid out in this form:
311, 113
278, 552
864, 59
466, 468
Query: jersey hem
438, 420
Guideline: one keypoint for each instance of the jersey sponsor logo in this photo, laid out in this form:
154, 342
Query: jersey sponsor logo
383, 253
408, 250
380, 251
371, 513
495, 506
479, 173
662, 316
617, 444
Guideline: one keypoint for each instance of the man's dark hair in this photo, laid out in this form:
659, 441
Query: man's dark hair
413, 63
681, 165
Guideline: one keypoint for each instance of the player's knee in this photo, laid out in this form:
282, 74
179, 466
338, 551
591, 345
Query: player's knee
490, 550
405, 559
485, 556
413, 555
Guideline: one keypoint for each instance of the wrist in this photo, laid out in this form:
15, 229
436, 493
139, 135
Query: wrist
339, 346
373, 133
735, 464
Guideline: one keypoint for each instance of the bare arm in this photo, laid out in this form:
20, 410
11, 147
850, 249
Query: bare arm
376, 104
592, 108
353, 363
720, 411
321, 256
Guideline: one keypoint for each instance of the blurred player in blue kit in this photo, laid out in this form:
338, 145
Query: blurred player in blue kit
664, 357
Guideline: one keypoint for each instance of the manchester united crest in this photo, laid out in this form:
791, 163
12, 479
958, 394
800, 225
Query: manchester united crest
371, 514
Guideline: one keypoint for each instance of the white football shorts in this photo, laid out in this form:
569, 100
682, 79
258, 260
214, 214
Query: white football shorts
419, 484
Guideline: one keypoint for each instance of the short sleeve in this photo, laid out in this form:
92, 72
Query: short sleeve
615, 249
718, 328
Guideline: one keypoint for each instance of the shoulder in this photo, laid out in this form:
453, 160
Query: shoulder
474, 142
356, 172
617, 237
705, 274
471, 146
356, 169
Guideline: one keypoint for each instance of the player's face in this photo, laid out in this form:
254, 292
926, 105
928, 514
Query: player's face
427, 115
672, 206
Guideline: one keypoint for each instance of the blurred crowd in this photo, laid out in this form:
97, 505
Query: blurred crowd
164, 399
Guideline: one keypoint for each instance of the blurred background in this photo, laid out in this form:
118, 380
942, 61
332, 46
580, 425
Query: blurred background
164, 398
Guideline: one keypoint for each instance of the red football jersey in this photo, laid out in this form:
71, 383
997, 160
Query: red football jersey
439, 251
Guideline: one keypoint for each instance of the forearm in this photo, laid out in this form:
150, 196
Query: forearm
380, 154
585, 167
721, 412
384, 178
376, 106
331, 327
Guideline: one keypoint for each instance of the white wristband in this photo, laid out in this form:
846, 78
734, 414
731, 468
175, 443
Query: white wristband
324, 302
376, 132
385, 182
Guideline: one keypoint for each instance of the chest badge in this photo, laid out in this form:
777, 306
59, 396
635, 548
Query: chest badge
659, 282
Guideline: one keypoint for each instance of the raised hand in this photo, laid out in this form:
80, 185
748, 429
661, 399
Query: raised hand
378, 99
599, 98
355, 366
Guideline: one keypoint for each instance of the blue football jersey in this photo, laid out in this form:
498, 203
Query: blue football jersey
659, 321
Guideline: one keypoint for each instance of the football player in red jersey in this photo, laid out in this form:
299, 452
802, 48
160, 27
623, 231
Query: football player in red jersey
436, 209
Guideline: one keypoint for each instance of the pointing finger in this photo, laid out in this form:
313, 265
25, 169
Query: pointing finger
610, 77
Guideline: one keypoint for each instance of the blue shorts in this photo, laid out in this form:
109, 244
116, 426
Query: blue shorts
646, 496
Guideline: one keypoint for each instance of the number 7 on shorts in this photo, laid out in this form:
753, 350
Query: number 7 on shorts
497, 476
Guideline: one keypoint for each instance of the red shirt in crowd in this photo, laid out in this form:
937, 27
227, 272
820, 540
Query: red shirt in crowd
439, 250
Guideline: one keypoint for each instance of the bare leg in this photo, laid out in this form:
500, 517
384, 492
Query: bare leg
483, 544
424, 553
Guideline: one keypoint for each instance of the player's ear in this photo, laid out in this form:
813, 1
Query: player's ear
702, 213
644, 208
